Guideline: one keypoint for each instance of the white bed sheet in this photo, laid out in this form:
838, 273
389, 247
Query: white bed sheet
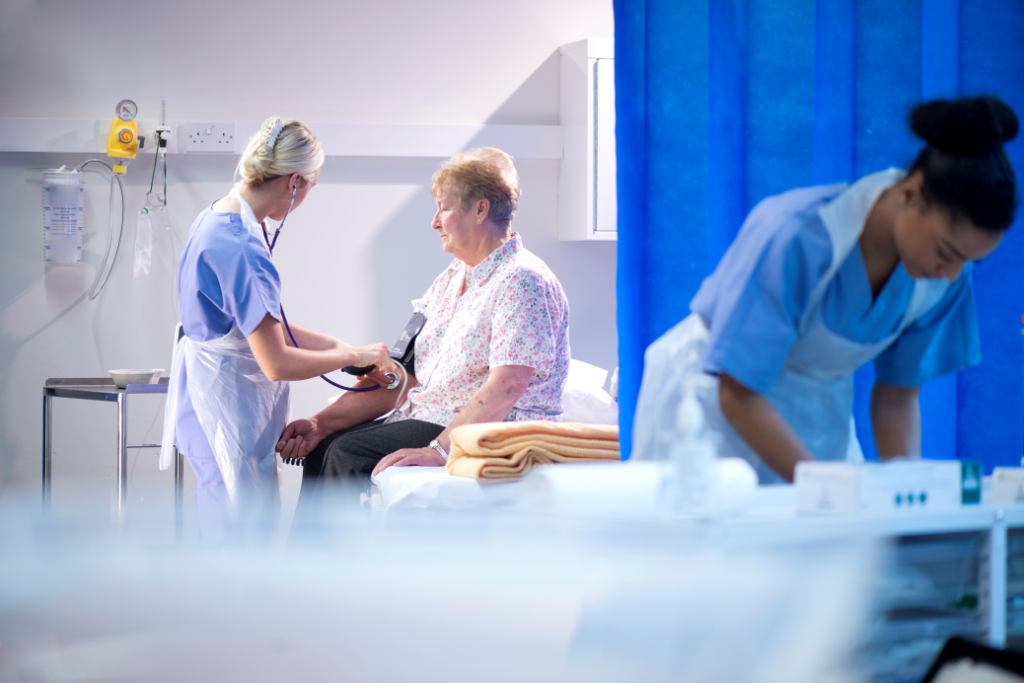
433, 488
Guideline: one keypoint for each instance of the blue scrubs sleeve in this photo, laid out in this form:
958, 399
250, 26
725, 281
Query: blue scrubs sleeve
754, 301
241, 282
258, 291
942, 341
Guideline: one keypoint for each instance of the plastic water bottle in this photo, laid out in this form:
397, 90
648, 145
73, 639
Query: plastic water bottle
693, 452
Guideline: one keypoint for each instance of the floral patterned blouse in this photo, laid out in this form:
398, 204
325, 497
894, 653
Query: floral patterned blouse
514, 312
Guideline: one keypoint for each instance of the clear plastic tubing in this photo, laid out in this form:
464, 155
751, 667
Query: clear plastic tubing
100, 281
63, 217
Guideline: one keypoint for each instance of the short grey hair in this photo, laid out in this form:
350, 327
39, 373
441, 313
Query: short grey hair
483, 173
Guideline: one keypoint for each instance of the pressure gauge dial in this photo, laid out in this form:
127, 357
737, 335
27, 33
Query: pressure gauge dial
126, 110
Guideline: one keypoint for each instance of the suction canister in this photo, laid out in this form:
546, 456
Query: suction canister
63, 217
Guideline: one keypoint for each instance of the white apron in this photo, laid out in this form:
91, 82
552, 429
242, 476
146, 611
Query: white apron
814, 391
241, 411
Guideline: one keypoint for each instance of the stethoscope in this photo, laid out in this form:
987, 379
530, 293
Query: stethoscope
395, 381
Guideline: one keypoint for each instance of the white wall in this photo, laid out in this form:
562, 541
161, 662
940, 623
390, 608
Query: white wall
354, 254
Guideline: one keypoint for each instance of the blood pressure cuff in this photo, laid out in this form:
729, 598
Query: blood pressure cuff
403, 351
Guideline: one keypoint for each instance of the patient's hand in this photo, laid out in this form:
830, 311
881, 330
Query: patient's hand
299, 439
410, 456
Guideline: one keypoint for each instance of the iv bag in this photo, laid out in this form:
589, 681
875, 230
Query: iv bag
152, 235
143, 256
63, 216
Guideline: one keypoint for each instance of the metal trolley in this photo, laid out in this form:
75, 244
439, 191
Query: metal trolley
104, 389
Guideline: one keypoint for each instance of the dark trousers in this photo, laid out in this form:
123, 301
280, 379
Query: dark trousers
344, 460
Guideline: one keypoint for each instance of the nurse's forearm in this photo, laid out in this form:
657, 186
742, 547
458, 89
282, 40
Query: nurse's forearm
281, 362
896, 420
290, 364
314, 341
762, 427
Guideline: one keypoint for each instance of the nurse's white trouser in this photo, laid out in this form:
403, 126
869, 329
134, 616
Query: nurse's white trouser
242, 413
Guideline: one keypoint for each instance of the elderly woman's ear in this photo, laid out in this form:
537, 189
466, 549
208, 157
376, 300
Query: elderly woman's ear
483, 210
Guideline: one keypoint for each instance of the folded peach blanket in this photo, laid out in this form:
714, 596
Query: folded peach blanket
502, 451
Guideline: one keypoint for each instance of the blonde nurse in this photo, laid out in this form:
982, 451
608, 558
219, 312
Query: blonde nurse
229, 384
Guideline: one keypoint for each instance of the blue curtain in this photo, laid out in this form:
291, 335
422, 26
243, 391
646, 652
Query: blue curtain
721, 103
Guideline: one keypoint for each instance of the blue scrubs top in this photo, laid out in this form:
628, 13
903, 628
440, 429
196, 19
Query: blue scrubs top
754, 301
225, 278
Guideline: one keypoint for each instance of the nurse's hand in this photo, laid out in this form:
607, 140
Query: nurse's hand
410, 456
378, 355
299, 439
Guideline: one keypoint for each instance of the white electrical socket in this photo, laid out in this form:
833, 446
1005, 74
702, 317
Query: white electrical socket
207, 137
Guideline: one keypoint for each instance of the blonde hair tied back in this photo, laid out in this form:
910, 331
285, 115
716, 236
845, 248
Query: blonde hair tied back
483, 173
281, 147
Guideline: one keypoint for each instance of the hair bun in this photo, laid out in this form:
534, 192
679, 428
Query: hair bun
969, 125
280, 147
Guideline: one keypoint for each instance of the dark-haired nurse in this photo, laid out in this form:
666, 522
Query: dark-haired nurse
822, 280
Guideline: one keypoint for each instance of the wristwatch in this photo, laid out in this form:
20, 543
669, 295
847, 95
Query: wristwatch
440, 449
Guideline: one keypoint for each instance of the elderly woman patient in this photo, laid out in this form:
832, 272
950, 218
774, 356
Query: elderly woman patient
495, 345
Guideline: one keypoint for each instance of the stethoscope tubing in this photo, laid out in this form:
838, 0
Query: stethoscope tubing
270, 245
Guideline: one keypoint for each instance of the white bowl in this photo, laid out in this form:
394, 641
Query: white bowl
122, 378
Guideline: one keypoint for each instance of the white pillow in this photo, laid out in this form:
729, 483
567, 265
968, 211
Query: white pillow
584, 398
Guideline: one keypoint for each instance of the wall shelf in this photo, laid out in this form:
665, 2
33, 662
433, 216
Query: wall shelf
89, 136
